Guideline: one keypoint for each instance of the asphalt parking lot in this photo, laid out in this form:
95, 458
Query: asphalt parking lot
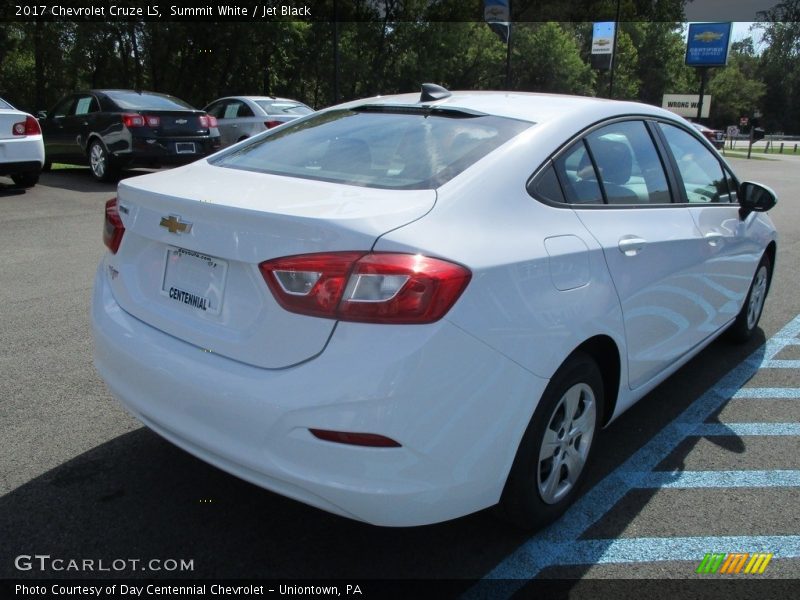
706, 463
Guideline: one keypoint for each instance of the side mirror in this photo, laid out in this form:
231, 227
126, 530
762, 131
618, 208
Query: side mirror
42, 114
754, 197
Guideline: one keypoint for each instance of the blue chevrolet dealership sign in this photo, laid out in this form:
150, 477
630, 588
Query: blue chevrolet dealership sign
708, 44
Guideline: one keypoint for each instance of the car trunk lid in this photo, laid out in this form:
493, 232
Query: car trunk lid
179, 123
194, 237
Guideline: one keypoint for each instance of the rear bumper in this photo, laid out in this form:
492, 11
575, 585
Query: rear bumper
161, 151
457, 407
14, 168
21, 155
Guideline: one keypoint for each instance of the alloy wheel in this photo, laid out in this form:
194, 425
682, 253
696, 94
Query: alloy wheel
566, 443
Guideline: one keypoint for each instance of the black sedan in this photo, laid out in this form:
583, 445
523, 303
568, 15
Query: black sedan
114, 129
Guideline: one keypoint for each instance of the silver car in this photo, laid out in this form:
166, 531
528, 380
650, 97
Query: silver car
241, 117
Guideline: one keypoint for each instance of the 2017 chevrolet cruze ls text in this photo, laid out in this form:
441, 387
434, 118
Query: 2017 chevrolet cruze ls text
406, 309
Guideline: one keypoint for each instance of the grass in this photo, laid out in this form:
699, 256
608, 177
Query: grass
788, 149
753, 156
61, 166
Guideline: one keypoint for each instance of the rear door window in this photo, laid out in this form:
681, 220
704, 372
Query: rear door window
86, 105
630, 168
231, 110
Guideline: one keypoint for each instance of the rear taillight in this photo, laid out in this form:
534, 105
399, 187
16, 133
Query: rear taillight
113, 229
271, 124
30, 126
367, 288
132, 120
207, 121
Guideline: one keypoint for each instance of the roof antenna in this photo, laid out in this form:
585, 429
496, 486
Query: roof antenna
432, 92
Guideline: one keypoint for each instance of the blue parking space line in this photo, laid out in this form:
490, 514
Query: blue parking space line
556, 544
781, 364
636, 550
717, 479
766, 393
746, 429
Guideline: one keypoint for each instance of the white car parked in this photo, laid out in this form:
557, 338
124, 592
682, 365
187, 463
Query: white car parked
409, 308
241, 117
21, 146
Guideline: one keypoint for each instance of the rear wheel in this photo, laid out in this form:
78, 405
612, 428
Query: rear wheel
747, 319
551, 461
100, 162
25, 180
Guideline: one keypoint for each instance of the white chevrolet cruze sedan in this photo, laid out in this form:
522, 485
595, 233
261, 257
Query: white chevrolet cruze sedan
409, 308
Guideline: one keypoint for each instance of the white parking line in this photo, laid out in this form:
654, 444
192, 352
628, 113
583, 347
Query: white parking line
741, 429
767, 393
633, 550
717, 479
559, 543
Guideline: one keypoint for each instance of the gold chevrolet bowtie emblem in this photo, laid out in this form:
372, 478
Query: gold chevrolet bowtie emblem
707, 36
175, 225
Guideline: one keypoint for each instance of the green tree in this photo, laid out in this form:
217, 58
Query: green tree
734, 93
546, 58
660, 66
780, 66
626, 62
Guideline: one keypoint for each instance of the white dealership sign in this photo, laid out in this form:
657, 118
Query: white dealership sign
685, 105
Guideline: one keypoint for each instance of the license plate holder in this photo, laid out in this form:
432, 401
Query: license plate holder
194, 279
185, 148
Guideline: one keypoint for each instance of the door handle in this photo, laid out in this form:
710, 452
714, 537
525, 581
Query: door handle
713, 238
631, 245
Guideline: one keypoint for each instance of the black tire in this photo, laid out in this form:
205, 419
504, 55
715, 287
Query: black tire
539, 490
25, 180
100, 163
746, 321
47, 165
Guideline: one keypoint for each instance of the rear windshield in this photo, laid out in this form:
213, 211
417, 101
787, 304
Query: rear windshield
271, 107
4, 104
147, 101
393, 150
